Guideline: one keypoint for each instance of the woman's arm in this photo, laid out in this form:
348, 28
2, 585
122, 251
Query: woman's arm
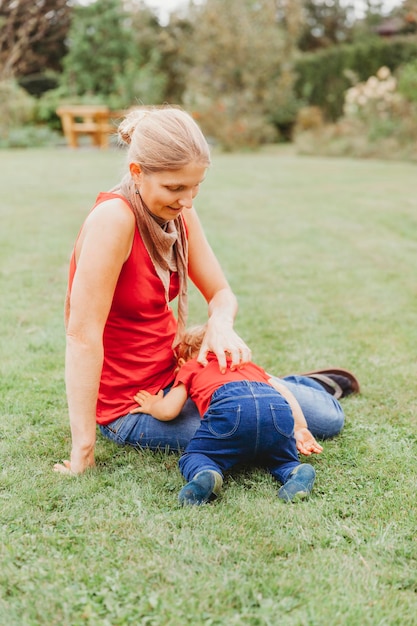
163, 408
206, 273
102, 248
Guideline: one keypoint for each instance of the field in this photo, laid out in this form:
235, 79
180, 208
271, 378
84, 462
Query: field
322, 254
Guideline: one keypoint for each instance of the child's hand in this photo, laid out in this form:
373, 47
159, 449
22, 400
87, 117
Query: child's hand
305, 442
146, 401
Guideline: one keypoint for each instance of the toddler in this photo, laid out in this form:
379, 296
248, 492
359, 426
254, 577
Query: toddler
247, 417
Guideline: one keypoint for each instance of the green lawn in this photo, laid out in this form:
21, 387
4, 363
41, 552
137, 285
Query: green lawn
322, 255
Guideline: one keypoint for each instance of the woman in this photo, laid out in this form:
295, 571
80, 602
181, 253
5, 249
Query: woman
133, 256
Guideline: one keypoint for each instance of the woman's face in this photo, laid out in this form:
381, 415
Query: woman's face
167, 193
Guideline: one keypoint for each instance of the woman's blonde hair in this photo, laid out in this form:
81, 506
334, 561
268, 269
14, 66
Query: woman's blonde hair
190, 343
163, 138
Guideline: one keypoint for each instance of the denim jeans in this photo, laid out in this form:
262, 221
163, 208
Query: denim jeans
323, 413
246, 422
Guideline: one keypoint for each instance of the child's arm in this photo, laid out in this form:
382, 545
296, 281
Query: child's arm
306, 443
163, 408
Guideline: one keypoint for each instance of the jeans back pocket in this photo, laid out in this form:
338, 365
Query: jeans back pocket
282, 419
223, 421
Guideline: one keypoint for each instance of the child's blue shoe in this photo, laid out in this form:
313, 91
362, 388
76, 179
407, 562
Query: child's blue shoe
299, 485
199, 490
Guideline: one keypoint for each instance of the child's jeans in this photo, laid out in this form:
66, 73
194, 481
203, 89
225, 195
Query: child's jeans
247, 422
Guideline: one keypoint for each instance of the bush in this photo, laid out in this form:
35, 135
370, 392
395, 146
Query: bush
47, 105
17, 107
309, 118
378, 122
19, 116
407, 81
375, 99
30, 137
234, 130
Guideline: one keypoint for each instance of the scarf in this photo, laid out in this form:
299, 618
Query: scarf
167, 246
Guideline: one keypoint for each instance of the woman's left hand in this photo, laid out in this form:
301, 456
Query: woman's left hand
224, 342
205, 272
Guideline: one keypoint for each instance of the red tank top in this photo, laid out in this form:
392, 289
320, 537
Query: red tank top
138, 334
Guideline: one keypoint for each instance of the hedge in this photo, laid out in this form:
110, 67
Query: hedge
324, 76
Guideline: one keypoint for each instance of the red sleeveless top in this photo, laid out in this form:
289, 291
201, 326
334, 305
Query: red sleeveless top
138, 334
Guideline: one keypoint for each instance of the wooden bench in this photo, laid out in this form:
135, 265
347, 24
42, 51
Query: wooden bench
93, 120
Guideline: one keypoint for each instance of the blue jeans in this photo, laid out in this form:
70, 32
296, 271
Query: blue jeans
246, 422
323, 413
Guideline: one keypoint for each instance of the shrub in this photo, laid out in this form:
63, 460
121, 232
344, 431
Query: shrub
309, 118
17, 107
378, 122
47, 105
407, 81
233, 129
29, 137
18, 117
375, 99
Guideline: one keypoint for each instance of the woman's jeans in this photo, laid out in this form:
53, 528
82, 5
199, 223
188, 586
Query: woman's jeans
246, 422
322, 411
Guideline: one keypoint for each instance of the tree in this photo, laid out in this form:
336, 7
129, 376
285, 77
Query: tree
99, 42
114, 54
145, 78
32, 35
408, 12
241, 69
177, 57
291, 15
326, 23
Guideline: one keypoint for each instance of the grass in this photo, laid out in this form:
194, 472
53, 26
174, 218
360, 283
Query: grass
322, 255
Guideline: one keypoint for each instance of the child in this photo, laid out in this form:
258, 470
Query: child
246, 417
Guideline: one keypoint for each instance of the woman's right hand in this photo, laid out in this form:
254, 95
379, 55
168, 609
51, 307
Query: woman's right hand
80, 462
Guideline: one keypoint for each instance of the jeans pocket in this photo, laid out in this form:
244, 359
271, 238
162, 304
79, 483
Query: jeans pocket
111, 430
223, 422
282, 419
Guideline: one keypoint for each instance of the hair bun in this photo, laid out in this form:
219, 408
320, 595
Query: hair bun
128, 126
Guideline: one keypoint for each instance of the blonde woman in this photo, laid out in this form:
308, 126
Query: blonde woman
134, 254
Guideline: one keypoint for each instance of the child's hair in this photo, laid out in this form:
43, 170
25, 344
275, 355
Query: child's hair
190, 342
163, 138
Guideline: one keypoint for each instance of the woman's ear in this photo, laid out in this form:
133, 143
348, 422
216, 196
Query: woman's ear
135, 169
